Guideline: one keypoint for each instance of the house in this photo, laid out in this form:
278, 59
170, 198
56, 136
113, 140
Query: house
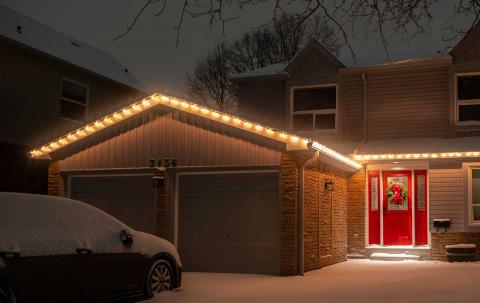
228, 192
335, 161
413, 124
50, 83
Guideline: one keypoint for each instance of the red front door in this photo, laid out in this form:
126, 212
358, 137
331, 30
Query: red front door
397, 208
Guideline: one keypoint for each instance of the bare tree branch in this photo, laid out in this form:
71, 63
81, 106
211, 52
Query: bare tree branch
383, 18
135, 20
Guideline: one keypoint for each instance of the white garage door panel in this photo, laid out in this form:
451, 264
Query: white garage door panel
229, 223
128, 198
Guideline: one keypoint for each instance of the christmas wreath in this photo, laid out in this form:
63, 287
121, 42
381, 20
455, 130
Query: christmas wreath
396, 193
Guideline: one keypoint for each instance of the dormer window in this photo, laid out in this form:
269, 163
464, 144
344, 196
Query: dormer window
468, 98
314, 108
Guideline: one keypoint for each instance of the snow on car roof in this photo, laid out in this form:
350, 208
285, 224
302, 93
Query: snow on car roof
38, 225
27, 31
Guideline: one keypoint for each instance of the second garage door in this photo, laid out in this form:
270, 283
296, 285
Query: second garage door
129, 198
229, 222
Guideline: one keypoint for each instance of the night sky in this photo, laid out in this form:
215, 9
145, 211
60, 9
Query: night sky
149, 50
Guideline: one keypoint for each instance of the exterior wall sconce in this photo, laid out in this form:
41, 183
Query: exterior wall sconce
328, 185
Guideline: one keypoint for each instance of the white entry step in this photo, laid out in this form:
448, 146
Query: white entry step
393, 257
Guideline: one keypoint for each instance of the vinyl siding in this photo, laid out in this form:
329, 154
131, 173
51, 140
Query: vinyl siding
30, 89
352, 105
194, 142
401, 103
263, 102
313, 68
468, 49
447, 197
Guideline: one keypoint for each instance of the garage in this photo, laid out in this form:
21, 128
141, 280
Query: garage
230, 194
230, 222
129, 198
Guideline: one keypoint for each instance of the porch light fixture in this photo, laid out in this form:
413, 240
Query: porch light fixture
291, 140
447, 155
329, 185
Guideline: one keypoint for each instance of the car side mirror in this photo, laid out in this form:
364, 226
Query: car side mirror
126, 237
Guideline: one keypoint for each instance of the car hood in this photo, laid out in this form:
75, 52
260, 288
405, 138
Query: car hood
152, 245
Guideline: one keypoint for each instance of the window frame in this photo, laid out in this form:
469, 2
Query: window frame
471, 221
62, 98
315, 112
459, 103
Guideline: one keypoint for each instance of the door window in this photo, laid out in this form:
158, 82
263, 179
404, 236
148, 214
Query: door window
374, 193
421, 192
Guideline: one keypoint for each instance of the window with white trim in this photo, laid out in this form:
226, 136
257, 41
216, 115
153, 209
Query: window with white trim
468, 99
474, 194
314, 108
74, 100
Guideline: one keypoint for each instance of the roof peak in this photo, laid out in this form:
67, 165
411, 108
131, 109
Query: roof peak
292, 141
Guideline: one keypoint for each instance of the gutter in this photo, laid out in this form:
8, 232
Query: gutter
301, 213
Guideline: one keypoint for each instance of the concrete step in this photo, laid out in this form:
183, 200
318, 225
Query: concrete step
356, 256
393, 257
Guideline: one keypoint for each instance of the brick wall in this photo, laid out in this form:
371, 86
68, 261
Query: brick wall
289, 172
356, 214
54, 179
325, 218
325, 215
439, 240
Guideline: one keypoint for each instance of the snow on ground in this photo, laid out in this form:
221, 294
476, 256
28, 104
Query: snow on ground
356, 281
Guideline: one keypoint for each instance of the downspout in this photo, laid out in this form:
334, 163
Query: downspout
301, 213
364, 78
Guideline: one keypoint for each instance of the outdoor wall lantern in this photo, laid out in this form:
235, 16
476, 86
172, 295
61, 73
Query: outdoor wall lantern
329, 185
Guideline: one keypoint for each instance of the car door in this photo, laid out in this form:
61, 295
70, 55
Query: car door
111, 268
114, 275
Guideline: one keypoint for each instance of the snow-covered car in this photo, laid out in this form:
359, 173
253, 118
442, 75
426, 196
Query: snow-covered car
55, 249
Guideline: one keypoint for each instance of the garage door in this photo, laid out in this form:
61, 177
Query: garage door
229, 223
128, 198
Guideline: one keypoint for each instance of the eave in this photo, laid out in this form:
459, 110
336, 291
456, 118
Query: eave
292, 141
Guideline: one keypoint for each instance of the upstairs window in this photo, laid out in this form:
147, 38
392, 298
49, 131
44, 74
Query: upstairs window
74, 100
314, 108
468, 99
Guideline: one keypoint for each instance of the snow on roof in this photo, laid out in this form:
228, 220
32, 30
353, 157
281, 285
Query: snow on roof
29, 32
269, 70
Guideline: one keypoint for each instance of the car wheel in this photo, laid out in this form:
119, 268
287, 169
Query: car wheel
160, 277
6, 295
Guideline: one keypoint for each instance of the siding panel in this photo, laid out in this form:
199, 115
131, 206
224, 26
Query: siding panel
401, 103
446, 197
193, 142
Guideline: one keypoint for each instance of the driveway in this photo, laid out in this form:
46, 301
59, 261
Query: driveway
352, 281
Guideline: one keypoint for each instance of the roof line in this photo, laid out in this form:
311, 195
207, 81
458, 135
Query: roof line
417, 156
292, 141
398, 64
